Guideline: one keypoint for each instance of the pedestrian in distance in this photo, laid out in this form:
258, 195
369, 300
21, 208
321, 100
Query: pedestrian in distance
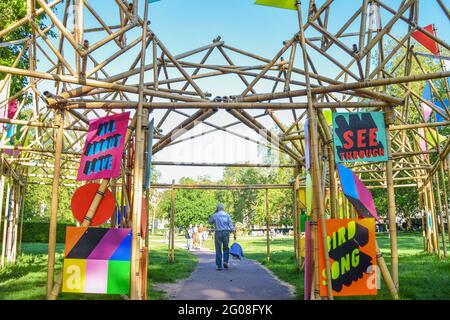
223, 227
189, 234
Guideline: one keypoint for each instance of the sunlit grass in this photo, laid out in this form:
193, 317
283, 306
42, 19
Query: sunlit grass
27, 278
422, 276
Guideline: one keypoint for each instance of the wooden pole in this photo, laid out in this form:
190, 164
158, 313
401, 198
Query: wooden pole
5, 221
17, 210
297, 220
22, 209
11, 222
391, 200
135, 286
267, 225
59, 121
333, 182
2, 187
386, 275
319, 210
430, 244
447, 206
441, 214
422, 213
171, 255
434, 217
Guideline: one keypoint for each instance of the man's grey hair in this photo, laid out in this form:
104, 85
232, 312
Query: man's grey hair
220, 207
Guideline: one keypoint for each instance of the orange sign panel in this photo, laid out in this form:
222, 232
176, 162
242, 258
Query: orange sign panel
352, 251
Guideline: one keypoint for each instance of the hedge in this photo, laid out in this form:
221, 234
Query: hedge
33, 231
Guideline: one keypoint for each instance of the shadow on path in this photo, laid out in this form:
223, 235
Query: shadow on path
244, 280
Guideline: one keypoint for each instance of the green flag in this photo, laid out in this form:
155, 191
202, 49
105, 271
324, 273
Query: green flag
283, 4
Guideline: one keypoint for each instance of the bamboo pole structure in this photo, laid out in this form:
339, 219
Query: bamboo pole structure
446, 199
22, 212
434, 218
5, 223
89, 82
422, 213
59, 121
297, 220
266, 198
391, 202
317, 198
171, 249
135, 288
2, 192
441, 215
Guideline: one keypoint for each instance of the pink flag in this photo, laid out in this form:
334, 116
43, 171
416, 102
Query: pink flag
102, 153
426, 112
423, 142
12, 108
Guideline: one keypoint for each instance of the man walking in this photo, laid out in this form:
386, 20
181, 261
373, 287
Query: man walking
223, 226
189, 235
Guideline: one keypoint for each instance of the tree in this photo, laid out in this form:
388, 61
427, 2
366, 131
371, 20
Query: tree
191, 206
10, 12
241, 204
406, 199
38, 200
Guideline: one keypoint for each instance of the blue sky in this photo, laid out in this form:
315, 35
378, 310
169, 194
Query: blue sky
187, 24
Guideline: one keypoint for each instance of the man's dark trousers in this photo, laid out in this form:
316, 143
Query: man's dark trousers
222, 240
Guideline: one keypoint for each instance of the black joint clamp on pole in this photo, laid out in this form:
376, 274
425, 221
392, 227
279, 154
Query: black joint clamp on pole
87, 218
100, 193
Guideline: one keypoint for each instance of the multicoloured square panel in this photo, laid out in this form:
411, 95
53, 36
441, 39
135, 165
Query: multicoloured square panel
97, 260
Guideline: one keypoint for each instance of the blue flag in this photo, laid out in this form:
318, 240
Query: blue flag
427, 95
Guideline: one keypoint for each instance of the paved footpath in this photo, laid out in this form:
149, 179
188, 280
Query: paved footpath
244, 280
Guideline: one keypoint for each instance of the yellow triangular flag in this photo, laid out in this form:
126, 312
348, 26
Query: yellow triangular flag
328, 114
433, 133
302, 198
283, 4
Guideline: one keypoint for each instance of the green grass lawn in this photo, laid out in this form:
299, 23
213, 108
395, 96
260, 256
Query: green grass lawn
421, 276
27, 278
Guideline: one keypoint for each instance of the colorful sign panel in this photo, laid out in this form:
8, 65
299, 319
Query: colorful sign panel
97, 260
359, 137
102, 152
352, 251
357, 193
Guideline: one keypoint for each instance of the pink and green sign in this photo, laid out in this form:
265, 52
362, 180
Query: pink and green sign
102, 152
97, 260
